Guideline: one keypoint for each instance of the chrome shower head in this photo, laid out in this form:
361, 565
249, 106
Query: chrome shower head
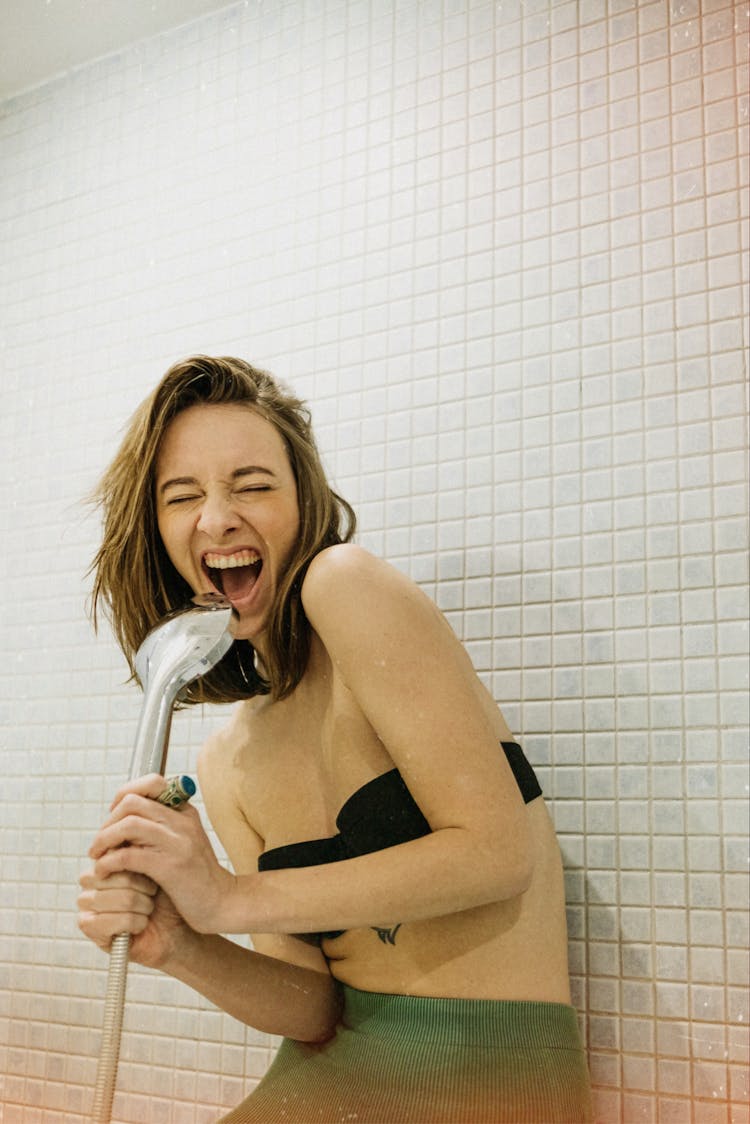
179, 649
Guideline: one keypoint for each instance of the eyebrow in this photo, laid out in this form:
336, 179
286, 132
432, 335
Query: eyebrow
246, 470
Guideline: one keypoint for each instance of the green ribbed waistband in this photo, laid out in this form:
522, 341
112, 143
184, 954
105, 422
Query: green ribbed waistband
500, 1023
399, 1059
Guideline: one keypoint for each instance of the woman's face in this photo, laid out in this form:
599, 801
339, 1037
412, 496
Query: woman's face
226, 505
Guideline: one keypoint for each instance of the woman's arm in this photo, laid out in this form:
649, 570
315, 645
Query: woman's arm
413, 681
272, 995
282, 986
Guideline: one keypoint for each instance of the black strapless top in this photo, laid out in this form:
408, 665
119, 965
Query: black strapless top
380, 814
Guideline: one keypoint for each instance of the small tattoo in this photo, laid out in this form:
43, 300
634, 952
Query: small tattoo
387, 936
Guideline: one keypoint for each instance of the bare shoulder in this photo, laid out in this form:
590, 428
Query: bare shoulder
344, 558
345, 571
368, 613
414, 683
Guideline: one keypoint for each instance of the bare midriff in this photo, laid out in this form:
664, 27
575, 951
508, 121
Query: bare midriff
507, 950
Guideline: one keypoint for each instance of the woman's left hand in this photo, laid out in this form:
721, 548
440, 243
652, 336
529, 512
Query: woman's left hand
168, 845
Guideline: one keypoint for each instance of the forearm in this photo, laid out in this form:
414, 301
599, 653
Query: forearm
438, 874
269, 994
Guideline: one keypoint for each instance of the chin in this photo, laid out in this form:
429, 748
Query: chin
246, 630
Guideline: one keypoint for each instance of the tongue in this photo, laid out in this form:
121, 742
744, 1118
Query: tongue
238, 581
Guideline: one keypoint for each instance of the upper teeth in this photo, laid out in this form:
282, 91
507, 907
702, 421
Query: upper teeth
229, 561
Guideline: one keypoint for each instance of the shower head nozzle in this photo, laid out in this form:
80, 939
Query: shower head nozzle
179, 649
187, 643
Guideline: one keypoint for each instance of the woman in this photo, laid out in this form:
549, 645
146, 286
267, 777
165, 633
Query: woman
392, 855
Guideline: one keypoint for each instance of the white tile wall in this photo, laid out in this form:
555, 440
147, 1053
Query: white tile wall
502, 248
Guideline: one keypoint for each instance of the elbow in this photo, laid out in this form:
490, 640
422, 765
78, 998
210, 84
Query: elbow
512, 877
323, 1024
512, 866
496, 868
524, 856
321, 1036
523, 874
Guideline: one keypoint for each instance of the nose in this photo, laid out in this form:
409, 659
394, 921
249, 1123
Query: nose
217, 516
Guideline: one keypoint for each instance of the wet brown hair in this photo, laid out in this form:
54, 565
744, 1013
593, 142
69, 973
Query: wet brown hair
133, 576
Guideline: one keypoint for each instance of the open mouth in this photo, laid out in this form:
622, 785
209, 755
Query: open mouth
234, 575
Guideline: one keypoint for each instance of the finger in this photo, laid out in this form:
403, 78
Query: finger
151, 785
121, 899
136, 804
132, 803
125, 878
102, 928
137, 858
132, 818
90, 925
136, 821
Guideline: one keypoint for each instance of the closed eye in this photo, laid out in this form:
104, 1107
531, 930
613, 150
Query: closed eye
179, 499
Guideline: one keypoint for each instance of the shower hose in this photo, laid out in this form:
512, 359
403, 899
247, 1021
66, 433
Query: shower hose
177, 792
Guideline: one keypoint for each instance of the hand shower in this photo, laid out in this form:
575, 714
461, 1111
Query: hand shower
182, 647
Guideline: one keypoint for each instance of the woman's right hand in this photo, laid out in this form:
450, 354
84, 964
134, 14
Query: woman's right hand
130, 903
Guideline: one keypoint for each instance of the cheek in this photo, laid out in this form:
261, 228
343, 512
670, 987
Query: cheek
283, 526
